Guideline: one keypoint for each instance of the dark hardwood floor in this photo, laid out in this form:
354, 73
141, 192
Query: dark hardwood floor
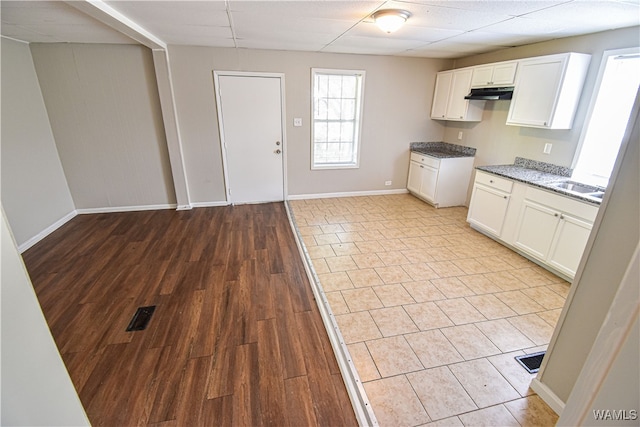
236, 337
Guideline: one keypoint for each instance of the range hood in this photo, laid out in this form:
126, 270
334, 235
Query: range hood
491, 93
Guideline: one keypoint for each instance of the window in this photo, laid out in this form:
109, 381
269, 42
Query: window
611, 104
337, 108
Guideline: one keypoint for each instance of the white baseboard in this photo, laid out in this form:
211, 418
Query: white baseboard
209, 204
549, 397
126, 209
44, 233
346, 194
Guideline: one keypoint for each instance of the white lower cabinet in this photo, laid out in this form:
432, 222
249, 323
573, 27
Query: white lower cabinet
414, 182
554, 229
441, 182
489, 203
429, 182
536, 229
550, 228
569, 243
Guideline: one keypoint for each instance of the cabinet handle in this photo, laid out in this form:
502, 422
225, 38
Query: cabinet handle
555, 214
504, 197
422, 166
561, 216
460, 116
491, 181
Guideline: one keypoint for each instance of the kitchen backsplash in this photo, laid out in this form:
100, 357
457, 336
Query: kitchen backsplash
543, 167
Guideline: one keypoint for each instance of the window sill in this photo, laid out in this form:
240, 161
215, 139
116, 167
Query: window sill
330, 167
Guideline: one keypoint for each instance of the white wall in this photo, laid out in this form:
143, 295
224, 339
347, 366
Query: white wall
397, 102
497, 143
105, 115
35, 193
36, 388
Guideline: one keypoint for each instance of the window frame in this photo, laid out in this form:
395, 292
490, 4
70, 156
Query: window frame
608, 53
359, 118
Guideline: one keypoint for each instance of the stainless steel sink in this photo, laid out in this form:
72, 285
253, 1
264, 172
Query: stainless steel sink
575, 187
597, 194
579, 188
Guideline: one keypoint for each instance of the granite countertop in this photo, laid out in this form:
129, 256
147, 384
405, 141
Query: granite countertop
540, 174
442, 150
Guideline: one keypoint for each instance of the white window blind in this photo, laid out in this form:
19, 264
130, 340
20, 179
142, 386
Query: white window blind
337, 107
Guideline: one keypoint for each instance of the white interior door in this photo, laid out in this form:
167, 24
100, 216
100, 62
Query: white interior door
250, 116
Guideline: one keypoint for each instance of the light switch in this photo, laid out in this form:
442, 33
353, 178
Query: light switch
547, 148
297, 121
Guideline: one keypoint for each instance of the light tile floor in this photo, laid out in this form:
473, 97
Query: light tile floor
433, 312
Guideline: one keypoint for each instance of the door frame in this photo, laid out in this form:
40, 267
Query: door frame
283, 122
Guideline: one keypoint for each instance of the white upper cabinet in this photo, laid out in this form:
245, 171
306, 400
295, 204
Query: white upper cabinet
441, 95
497, 74
448, 98
547, 90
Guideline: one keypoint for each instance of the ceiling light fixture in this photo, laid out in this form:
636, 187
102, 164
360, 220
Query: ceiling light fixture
389, 20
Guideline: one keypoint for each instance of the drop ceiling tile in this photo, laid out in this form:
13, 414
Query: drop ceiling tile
279, 45
357, 41
38, 12
489, 38
461, 49
284, 36
292, 10
48, 21
589, 14
447, 18
407, 32
245, 23
528, 26
153, 15
428, 53
502, 7
373, 46
200, 35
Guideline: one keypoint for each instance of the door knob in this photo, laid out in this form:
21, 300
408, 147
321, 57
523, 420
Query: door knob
278, 151
277, 142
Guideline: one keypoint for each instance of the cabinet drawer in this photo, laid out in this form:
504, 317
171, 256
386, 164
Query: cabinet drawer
494, 181
563, 204
425, 160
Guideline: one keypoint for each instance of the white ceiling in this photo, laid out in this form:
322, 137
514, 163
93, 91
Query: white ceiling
436, 29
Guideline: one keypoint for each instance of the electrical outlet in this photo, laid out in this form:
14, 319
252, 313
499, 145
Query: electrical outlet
460, 135
387, 183
297, 121
547, 148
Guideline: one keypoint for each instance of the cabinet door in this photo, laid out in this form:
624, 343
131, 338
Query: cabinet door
460, 86
482, 76
429, 183
498, 74
536, 92
535, 230
415, 177
569, 243
504, 74
441, 95
488, 209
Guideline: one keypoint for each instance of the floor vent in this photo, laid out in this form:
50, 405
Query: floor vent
531, 362
141, 319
